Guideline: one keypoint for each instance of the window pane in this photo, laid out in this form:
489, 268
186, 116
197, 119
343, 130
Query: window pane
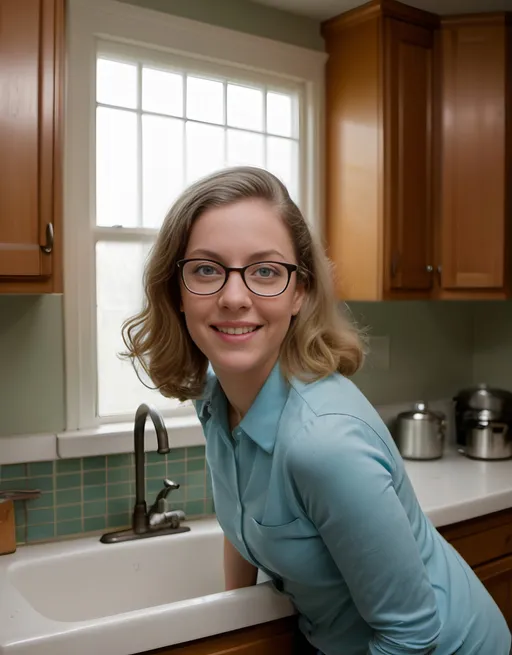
282, 155
116, 83
205, 100
116, 167
245, 148
279, 114
205, 150
162, 166
162, 92
119, 269
245, 107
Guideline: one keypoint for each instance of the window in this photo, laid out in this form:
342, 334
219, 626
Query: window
155, 120
160, 125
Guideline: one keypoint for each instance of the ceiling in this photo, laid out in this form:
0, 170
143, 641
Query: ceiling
323, 9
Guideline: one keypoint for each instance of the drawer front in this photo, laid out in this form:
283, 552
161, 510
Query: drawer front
482, 540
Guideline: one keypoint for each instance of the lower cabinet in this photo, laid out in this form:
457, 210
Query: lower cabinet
485, 543
497, 577
280, 637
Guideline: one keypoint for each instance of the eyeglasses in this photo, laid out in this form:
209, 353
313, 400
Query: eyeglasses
205, 277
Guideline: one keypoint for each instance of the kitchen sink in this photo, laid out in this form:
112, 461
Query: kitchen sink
82, 596
93, 581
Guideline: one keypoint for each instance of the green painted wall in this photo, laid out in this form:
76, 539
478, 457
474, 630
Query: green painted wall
31, 364
244, 16
430, 356
430, 349
493, 344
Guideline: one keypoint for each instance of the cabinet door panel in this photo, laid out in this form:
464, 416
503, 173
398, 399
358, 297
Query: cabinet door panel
27, 91
408, 154
497, 578
473, 178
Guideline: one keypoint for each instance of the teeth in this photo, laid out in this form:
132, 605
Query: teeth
240, 330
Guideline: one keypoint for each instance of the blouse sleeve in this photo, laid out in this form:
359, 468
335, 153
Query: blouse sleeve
342, 474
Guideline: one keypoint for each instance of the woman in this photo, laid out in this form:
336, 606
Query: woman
308, 484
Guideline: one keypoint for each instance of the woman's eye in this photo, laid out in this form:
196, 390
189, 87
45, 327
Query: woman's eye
265, 271
206, 270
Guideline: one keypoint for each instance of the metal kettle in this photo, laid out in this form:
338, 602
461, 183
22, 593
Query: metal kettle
483, 420
420, 434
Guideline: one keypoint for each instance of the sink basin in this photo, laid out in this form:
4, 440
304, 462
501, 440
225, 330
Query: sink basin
92, 582
83, 596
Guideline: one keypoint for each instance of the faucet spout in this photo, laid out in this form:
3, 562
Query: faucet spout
140, 518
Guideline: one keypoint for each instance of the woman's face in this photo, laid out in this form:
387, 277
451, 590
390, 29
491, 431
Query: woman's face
243, 233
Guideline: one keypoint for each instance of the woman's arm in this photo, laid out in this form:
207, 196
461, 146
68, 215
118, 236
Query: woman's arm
343, 476
238, 572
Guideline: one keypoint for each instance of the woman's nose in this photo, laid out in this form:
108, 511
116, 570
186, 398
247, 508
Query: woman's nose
234, 293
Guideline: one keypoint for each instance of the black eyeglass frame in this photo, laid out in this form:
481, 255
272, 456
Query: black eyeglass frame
291, 268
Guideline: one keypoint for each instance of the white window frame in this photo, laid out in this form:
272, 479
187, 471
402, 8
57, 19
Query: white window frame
126, 27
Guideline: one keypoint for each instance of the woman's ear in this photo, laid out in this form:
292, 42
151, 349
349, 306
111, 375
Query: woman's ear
298, 298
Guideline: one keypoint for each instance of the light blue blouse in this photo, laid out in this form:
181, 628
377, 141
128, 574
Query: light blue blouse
310, 488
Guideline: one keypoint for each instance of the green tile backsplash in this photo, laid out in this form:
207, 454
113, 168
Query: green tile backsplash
97, 493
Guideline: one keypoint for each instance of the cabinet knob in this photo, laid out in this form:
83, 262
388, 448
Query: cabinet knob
430, 269
48, 246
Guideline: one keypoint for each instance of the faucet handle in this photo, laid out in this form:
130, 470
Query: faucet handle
169, 486
161, 500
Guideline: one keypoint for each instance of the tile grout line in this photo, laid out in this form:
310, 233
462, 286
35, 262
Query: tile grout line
82, 507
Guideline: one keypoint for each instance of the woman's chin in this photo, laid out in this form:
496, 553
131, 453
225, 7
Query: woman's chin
236, 363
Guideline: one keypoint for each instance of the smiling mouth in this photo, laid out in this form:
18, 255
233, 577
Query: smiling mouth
239, 330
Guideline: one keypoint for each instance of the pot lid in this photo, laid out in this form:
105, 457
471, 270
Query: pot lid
475, 396
421, 412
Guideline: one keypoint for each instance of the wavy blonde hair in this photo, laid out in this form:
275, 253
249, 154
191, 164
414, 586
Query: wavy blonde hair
320, 340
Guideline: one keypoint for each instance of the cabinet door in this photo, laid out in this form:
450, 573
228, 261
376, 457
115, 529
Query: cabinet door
497, 578
408, 94
27, 102
473, 161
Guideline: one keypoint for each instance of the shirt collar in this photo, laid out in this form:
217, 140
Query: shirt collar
262, 420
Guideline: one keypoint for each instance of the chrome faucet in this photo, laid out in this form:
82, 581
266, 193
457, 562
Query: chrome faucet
158, 520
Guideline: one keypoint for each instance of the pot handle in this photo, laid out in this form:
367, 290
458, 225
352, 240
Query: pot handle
500, 428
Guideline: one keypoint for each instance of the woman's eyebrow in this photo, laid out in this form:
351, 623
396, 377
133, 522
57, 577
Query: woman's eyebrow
260, 255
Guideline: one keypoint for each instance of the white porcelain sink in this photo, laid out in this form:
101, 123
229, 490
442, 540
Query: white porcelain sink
82, 596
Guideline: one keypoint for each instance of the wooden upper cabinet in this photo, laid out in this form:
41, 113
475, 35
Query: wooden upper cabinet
476, 184
408, 154
31, 34
379, 108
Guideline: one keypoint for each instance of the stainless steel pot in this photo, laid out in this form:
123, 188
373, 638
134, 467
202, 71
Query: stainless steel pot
483, 420
420, 433
488, 439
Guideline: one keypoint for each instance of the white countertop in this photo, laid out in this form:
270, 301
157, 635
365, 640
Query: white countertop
456, 488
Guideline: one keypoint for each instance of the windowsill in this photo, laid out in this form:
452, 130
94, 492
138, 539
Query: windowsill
116, 438
107, 439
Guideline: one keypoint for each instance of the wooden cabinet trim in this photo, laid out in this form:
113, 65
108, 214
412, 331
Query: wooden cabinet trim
478, 524
492, 18
384, 8
279, 636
